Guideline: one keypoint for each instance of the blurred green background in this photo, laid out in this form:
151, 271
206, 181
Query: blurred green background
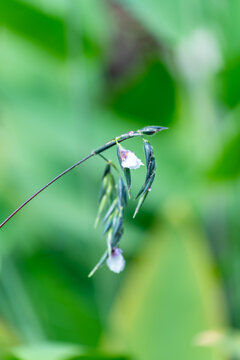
73, 75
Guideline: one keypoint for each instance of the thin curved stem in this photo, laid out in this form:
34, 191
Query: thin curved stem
44, 187
104, 158
110, 162
93, 153
150, 130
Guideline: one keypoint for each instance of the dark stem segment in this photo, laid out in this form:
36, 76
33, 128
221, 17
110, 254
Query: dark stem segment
93, 153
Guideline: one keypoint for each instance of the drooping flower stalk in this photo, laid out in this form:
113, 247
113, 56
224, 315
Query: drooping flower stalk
149, 130
114, 217
113, 195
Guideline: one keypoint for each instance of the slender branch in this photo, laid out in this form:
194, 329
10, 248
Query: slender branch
94, 152
44, 187
104, 158
148, 131
110, 162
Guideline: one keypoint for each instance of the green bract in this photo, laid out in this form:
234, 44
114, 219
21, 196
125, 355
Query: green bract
114, 193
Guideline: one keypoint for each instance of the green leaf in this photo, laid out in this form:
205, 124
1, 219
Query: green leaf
58, 351
46, 351
101, 356
173, 21
229, 83
139, 99
9, 357
170, 294
227, 165
46, 31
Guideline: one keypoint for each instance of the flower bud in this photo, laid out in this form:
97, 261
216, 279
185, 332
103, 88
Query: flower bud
115, 261
151, 130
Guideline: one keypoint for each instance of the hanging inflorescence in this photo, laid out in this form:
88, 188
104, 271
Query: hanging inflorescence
114, 194
113, 198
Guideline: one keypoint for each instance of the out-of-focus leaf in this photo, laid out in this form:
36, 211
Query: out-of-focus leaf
229, 81
58, 352
9, 357
56, 299
227, 165
172, 21
149, 94
101, 357
44, 30
159, 17
92, 22
226, 341
170, 295
47, 351
7, 336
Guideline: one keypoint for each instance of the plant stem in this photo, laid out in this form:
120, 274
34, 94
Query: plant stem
93, 153
44, 187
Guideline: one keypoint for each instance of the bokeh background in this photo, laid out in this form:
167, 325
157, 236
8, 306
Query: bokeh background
73, 75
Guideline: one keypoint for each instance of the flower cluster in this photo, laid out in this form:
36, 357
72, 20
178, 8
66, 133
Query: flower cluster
113, 198
113, 195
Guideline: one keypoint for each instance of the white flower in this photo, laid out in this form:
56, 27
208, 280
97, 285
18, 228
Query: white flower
129, 159
115, 261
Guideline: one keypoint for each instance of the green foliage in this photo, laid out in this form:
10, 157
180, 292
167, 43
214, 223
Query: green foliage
132, 100
174, 283
57, 352
182, 251
227, 165
229, 84
46, 31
